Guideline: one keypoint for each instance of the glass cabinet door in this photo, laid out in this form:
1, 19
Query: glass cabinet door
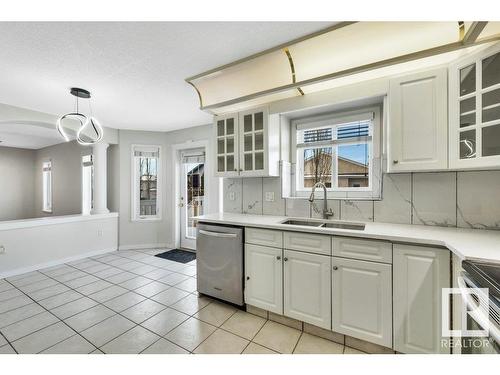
252, 141
226, 146
490, 105
476, 116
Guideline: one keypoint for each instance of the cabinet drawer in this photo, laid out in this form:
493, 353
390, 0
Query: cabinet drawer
264, 237
311, 243
356, 248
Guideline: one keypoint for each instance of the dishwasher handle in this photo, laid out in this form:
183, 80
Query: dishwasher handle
218, 234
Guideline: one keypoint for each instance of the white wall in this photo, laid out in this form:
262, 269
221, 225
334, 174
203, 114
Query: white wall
17, 182
40, 243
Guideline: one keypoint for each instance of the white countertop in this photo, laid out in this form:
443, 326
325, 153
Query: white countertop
472, 244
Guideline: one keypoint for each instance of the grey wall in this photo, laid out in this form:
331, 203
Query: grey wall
66, 178
184, 136
17, 167
468, 199
160, 232
139, 233
113, 178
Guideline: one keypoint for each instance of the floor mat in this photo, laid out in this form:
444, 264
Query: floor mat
178, 255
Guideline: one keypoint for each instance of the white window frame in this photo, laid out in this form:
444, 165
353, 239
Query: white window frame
47, 184
135, 187
87, 196
373, 191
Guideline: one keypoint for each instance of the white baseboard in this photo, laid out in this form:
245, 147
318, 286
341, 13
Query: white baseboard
144, 246
19, 271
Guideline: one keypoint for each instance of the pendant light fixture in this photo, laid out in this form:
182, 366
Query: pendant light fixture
82, 119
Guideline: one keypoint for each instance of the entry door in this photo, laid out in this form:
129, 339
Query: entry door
192, 198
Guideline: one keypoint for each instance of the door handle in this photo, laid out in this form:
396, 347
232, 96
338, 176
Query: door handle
335, 268
217, 234
285, 259
278, 257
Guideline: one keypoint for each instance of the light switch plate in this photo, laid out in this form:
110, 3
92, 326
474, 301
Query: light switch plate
269, 196
232, 196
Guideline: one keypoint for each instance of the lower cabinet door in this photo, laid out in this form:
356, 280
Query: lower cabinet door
307, 288
362, 300
420, 273
264, 278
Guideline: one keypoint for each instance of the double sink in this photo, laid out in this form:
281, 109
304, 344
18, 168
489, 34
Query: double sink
325, 224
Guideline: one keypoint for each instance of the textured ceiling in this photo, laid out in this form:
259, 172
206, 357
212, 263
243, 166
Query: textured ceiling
135, 70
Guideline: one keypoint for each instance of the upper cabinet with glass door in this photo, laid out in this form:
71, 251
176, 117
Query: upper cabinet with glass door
226, 145
475, 110
252, 153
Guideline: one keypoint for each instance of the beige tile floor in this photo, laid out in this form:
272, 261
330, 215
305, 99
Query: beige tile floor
133, 302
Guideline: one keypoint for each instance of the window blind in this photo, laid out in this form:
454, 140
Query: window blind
193, 157
326, 121
147, 152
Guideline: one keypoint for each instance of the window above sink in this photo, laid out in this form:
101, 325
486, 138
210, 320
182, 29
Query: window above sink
341, 150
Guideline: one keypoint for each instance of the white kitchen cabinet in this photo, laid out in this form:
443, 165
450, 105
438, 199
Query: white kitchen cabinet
307, 288
251, 148
264, 278
474, 104
362, 300
308, 242
418, 126
419, 275
362, 249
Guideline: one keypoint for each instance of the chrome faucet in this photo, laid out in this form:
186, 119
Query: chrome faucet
326, 212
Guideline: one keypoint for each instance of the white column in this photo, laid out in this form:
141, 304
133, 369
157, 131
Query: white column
100, 178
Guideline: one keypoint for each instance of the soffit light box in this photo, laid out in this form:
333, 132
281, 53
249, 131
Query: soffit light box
344, 53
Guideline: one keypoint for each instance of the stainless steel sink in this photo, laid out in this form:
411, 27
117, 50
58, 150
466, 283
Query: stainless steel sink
325, 224
308, 223
350, 226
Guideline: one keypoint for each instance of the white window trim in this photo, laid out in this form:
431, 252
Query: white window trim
47, 207
90, 164
135, 188
370, 193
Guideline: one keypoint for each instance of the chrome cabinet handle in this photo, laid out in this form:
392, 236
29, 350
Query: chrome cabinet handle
335, 268
217, 234
395, 161
285, 259
278, 257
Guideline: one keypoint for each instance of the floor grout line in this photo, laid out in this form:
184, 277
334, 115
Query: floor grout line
74, 268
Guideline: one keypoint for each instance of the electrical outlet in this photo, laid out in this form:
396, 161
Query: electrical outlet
2, 249
232, 196
269, 196
99, 233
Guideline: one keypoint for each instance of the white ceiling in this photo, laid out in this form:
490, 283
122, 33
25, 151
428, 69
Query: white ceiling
135, 70
28, 135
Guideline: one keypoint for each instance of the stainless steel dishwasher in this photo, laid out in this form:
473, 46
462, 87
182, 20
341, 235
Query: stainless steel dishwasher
219, 262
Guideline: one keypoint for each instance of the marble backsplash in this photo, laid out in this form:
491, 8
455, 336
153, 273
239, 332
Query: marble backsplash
469, 199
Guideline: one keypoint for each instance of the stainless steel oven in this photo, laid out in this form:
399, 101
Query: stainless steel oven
478, 276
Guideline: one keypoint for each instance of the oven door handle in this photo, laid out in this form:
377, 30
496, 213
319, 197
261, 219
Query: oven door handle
218, 234
475, 313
